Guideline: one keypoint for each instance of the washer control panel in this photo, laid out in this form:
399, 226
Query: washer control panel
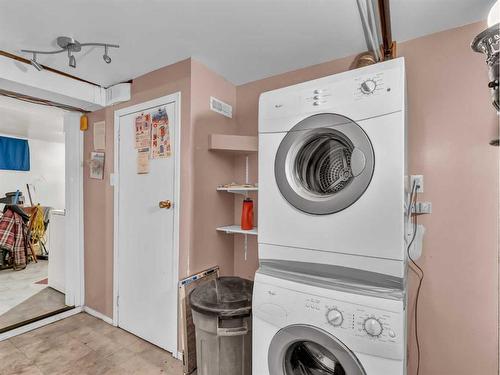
366, 324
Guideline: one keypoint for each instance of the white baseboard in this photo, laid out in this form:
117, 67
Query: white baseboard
39, 323
98, 315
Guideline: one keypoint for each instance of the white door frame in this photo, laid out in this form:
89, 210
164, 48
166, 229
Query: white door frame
173, 98
74, 233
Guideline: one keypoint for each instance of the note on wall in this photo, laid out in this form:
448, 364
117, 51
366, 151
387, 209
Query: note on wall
160, 137
142, 131
99, 136
143, 160
97, 165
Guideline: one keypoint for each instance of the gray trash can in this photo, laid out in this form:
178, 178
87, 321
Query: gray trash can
222, 315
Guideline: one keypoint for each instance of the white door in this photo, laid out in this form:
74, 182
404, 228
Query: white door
147, 263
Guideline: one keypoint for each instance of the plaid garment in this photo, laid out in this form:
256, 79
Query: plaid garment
12, 238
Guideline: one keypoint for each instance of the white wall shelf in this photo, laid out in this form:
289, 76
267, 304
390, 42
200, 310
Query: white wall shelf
236, 229
238, 190
237, 144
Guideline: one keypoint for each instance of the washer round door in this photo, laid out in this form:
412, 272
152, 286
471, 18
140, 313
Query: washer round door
324, 164
307, 350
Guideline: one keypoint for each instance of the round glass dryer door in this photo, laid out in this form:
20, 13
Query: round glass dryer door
324, 164
306, 350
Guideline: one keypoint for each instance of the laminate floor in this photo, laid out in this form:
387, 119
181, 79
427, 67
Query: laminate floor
82, 344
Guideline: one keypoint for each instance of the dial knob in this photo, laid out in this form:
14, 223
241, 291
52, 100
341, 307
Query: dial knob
373, 327
368, 86
334, 317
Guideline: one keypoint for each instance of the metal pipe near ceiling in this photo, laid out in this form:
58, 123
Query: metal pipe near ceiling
33, 100
26, 61
388, 46
369, 27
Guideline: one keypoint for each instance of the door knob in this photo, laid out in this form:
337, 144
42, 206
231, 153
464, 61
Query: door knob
165, 204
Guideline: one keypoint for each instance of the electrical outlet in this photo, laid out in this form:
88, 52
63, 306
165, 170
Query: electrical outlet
421, 208
419, 180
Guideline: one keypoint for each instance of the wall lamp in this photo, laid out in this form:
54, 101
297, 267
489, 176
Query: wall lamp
488, 42
70, 46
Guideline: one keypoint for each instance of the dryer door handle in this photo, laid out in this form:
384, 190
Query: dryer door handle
358, 162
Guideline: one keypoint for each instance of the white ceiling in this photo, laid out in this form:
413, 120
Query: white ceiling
34, 121
243, 40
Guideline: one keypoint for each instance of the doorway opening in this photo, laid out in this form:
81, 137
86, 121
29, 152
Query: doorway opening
34, 254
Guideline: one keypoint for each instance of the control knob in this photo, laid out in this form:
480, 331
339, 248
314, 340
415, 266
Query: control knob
334, 317
368, 87
373, 327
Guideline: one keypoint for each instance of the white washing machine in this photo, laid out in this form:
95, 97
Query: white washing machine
332, 166
303, 329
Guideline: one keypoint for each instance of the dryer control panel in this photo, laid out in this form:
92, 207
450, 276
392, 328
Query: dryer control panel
359, 94
365, 324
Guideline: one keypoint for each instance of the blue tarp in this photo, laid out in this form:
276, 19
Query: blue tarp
14, 154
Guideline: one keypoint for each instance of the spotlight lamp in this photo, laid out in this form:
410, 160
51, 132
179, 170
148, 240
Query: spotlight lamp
106, 57
71, 46
35, 64
71, 60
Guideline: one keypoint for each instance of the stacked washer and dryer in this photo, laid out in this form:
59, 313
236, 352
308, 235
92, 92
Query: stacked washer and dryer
330, 293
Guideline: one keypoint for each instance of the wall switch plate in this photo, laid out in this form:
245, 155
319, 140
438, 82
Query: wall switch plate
419, 180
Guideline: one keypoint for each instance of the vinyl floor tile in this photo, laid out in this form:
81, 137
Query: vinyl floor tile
81, 345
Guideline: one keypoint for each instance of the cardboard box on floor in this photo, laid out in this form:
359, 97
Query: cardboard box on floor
188, 337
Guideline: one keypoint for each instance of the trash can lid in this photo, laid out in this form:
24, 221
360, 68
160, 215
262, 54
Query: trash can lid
224, 297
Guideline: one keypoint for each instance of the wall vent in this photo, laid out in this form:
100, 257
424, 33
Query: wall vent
219, 106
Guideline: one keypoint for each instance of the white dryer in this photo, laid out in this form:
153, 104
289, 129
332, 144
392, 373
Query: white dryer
332, 166
304, 329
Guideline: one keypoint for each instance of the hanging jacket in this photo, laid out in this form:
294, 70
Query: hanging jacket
12, 238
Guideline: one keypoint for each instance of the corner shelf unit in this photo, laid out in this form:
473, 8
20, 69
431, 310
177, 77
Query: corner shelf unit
236, 145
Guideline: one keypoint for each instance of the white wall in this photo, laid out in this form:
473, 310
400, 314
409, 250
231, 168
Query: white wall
46, 174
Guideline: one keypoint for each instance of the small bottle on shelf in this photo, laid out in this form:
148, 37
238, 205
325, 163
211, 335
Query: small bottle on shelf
247, 214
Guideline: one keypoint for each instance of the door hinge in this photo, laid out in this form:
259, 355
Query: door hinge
118, 301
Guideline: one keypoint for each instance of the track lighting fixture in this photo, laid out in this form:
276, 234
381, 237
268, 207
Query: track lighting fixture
35, 64
71, 46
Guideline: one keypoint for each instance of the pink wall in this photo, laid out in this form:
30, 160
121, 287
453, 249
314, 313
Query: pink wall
451, 122
211, 208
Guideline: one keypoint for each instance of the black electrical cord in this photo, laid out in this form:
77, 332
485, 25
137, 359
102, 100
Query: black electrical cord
413, 201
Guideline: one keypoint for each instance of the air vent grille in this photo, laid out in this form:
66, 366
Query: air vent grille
219, 106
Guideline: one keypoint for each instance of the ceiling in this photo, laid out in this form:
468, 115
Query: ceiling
28, 120
243, 40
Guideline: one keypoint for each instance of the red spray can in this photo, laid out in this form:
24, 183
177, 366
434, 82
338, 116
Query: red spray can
247, 214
